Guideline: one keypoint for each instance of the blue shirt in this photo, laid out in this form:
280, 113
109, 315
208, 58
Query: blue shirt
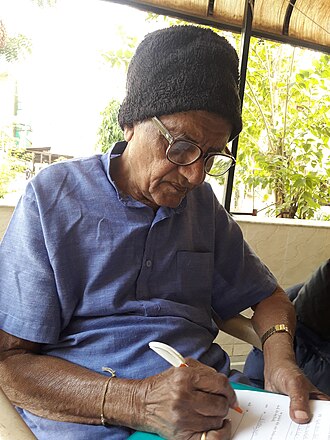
95, 276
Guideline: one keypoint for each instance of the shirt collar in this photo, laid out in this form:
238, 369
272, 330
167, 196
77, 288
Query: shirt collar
116, 150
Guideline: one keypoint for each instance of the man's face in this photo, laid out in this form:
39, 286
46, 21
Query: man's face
149, 176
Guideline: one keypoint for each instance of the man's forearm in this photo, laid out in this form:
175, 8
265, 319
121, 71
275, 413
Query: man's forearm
59, 390
281, 372
52, 388
276, 309
178, 400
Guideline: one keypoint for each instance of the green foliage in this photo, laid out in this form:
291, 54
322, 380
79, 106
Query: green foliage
44, 3
109, 131
18, 46
15, 47
13, 160
20, 158
6, 176
121, 57
284, 145
164, 20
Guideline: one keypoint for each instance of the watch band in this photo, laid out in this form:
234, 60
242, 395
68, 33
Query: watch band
278, 328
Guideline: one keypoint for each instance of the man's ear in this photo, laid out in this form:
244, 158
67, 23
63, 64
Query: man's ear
128, 133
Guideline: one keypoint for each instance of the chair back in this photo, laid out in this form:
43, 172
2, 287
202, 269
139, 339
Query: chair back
12, 426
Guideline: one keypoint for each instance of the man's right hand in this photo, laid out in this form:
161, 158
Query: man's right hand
181, 403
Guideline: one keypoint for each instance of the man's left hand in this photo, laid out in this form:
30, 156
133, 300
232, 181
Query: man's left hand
287, 378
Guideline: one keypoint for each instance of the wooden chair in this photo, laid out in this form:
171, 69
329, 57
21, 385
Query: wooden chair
240, 327
12, 426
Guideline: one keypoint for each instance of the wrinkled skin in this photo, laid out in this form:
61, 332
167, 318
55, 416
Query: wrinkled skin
184, 402
286, 378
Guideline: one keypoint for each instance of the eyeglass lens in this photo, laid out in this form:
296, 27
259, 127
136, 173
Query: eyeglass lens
217, 164
182, 152
185, 153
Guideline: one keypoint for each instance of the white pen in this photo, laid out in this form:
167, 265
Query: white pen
174, 358
168, 353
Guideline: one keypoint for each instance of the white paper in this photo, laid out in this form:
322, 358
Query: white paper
266, 417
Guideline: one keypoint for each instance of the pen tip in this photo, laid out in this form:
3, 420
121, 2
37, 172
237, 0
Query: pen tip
238, 409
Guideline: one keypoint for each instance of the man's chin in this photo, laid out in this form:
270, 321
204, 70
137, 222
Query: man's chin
170, 202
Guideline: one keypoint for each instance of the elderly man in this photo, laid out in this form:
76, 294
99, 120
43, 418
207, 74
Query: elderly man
105, 254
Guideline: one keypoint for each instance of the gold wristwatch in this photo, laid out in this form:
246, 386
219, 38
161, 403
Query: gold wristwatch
278, 328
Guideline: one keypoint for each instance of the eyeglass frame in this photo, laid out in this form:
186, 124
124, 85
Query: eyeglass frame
171, 140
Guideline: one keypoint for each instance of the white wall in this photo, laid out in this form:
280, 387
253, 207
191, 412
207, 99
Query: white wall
292, 249
5, 214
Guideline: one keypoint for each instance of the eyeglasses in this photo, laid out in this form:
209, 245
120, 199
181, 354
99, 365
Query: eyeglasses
183, 152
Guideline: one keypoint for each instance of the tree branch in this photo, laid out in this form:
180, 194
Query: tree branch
255, 100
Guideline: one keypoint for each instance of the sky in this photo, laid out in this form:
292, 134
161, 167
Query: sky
65, 84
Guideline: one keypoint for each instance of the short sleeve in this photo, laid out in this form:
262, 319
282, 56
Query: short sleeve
29, 306
241, 278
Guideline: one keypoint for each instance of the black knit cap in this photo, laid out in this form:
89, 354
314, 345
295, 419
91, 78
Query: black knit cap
182, 68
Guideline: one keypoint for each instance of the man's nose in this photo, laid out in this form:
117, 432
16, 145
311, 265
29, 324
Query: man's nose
194, 173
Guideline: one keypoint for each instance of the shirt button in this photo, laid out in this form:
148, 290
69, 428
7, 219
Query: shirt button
148, 263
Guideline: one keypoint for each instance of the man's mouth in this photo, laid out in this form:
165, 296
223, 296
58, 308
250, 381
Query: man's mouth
179, 188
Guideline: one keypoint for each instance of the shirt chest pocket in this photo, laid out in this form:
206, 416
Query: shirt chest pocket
195, 276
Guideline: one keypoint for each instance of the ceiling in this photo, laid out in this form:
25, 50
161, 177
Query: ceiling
304, 23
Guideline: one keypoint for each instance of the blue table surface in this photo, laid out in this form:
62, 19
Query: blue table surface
147, 436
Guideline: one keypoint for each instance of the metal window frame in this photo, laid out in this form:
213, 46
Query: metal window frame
243, 59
